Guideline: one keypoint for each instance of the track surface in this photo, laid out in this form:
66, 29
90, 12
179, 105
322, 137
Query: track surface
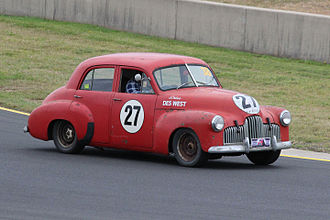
36, 182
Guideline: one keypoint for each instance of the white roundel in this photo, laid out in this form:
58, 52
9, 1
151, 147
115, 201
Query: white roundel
132, 116
246, 103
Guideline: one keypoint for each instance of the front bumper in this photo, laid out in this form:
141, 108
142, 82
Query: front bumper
245, 147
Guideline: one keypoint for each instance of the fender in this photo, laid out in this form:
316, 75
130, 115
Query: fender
80, 115
77, 114
168, 121
276, 112
42, 116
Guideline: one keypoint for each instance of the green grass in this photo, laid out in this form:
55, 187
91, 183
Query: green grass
38, 56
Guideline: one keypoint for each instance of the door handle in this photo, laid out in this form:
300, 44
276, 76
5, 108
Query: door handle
77, 96
116, 99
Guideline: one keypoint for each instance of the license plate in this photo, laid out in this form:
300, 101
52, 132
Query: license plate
260, 142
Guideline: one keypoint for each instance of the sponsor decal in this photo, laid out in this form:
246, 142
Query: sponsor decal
174, 97
132, 116
174, 103
206, 71
260, 142
246, 103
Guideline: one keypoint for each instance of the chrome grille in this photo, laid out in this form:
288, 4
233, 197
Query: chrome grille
252, 128
234, 134
274, 130
255, 126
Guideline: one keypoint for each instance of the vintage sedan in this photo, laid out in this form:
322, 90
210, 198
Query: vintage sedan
161, 103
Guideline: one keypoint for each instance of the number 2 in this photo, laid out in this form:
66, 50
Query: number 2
244, 105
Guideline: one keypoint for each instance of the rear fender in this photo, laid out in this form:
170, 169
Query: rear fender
81, 118
43, 117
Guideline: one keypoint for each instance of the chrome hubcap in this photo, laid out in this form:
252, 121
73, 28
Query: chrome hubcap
66, 134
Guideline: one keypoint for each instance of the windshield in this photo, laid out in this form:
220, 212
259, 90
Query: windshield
183, 76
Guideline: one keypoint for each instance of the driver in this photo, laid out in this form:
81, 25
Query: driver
134, 84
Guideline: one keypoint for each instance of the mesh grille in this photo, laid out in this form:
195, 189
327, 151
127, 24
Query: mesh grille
252, 128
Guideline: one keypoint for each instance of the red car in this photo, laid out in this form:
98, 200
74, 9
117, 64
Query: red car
161, 103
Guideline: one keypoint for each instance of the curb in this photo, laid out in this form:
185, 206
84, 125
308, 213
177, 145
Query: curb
304, 154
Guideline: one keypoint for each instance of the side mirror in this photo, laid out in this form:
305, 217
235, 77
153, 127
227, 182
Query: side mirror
138, 77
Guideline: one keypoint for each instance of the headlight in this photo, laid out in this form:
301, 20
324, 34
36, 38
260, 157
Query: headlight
218, 123
285, 118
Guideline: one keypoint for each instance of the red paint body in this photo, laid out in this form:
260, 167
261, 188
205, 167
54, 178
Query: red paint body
195, 108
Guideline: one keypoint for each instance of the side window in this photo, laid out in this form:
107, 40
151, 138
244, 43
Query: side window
87, 84
98, 80
130, 84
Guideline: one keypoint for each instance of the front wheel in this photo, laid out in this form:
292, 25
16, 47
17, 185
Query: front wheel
264, 157
65, 138
187, 148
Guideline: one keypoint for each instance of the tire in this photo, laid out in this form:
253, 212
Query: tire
65, 138
187, 149
264, 158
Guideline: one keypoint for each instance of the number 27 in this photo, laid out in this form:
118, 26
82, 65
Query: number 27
130, 109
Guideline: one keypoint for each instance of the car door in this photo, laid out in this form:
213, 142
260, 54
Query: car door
132, 114
95, 92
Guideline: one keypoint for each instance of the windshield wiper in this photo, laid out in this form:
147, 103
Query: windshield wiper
203, 83
183, 84
206, 83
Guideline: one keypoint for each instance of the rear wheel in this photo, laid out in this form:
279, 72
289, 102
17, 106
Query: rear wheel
264, 157
187, 148
65, 138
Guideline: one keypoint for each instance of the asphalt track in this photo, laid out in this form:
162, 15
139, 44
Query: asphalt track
36, 182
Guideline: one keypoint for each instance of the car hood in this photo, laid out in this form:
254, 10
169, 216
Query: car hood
231, 105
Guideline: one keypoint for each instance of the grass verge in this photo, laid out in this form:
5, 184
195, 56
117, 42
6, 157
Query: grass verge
38, 56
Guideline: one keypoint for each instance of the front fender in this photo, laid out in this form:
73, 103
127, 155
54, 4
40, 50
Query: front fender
276, 112
167, 121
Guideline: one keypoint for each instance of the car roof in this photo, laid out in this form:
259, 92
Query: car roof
146, 61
